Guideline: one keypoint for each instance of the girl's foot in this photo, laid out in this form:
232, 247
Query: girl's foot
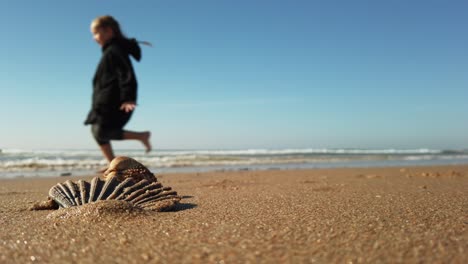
146, 140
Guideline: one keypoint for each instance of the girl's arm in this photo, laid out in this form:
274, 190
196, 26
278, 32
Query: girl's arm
126, 81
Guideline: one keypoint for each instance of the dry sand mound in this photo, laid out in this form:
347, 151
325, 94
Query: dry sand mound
97, 210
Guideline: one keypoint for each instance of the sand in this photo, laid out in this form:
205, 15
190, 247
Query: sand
376, 215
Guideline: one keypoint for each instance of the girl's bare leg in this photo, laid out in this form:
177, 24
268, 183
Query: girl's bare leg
107, 151
144, 137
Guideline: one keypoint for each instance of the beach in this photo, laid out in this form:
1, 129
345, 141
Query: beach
338, 215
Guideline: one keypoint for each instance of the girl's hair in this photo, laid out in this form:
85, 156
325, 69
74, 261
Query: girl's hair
130, 44
109, 22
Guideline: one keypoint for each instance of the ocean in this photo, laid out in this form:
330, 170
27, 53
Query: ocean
46, 163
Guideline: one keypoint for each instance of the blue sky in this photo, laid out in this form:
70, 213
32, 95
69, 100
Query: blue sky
245, 74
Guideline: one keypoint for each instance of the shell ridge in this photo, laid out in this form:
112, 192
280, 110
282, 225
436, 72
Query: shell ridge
74, 189
95, 189
84, 191
107, 189
157, 196
67, 192
146, 194
142, 191
130, 189
60, 197
119, 189
150, 203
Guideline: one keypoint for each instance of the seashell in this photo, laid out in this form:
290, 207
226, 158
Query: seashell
144, 194
125, 167
126, 180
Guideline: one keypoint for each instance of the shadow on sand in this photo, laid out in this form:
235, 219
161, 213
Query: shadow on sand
184, 206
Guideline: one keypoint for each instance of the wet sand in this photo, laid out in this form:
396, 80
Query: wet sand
375, 215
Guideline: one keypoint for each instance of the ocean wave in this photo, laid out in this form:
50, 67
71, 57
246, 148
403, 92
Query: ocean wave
31, 164
14, 160
38, 163
247, 152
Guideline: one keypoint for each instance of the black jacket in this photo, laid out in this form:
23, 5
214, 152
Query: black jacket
114, 82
